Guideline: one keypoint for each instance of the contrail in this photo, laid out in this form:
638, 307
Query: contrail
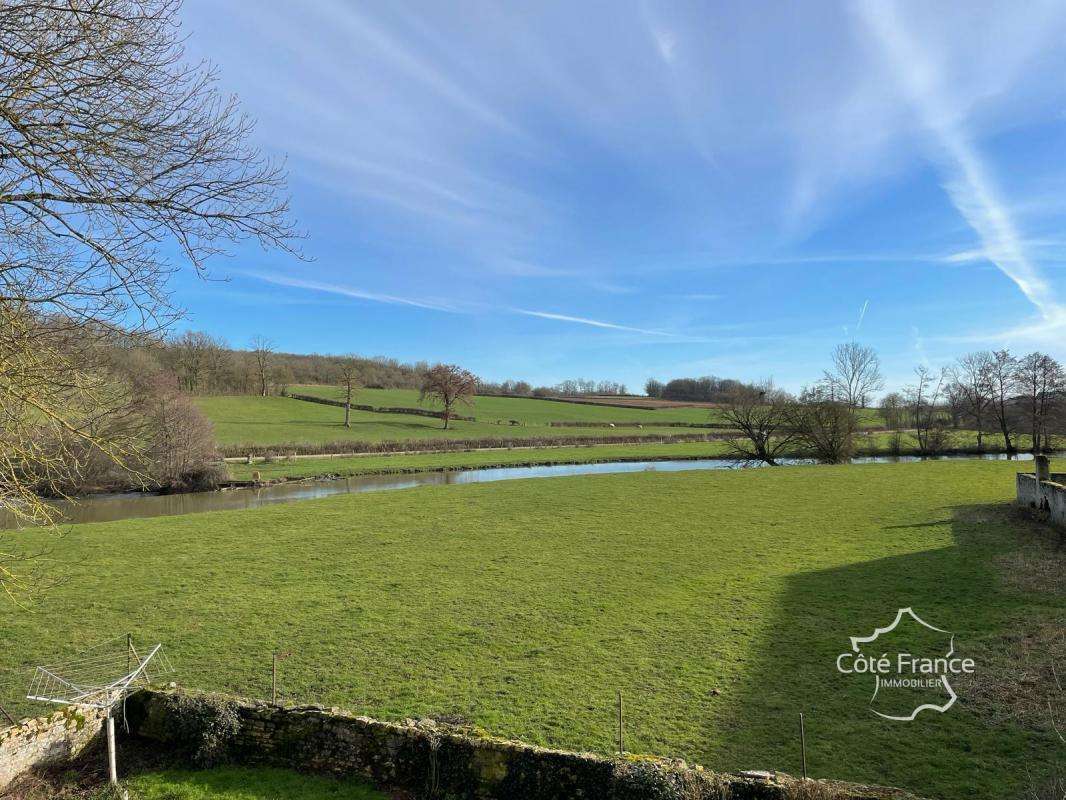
969, 187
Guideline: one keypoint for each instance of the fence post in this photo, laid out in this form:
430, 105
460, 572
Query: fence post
1043, 468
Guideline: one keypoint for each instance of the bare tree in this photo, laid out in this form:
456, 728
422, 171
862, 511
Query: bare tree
111, 146
181, 453
1002, 376
110, 143
448, 385
762, 414
894, 413
824, 426
263, 357
1039, 382
349, 375
972, 387
855, 375
925, 398
197, 360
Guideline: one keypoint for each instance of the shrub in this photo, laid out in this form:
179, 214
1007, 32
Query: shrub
205, 726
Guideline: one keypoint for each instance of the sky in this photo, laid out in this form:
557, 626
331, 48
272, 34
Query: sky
631, 190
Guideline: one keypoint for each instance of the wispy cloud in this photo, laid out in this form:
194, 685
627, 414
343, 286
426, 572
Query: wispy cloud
700, 296
667, 44
862, 315
343, 290
350, 291
968, 182
595, 323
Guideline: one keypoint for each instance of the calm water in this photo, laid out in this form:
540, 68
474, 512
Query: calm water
108, 507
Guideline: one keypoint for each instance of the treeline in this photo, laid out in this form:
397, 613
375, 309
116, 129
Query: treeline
578, 387
115, 418
708, 389
204, 364
994, 394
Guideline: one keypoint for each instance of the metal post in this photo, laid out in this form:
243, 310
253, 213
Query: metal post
112, 768
621, 739
803, 746
274, 678
10, 718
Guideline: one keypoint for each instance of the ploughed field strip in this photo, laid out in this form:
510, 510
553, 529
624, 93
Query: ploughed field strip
717, 602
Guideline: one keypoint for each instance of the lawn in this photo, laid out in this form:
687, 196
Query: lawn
265, 421
717, 602
241, 783
234, 783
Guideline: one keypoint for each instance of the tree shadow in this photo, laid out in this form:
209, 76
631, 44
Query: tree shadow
254, 783
956, 588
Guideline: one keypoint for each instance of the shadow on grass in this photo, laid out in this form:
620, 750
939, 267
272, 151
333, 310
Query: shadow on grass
963, 752
246, 783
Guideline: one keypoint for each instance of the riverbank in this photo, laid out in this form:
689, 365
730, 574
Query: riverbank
349, 466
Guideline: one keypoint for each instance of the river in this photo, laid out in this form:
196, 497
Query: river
127, 505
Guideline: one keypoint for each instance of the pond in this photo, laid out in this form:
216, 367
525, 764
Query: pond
127, 505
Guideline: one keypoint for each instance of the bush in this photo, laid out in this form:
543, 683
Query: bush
203, 726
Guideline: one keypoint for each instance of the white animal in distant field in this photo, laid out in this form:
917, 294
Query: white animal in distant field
611, 424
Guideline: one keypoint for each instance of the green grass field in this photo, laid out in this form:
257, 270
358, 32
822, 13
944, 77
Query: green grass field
534, 411
281, 420
715, 601
229, 783
527, 410
236, 783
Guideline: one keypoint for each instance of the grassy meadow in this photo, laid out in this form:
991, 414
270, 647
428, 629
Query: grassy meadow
716, 602
244, 783
266, 421
527, 410
219, 783
245, 423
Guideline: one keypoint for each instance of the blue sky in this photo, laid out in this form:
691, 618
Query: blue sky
630, 190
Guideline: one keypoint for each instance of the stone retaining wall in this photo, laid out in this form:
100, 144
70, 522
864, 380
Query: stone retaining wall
46, 741
431, 760
1045, 497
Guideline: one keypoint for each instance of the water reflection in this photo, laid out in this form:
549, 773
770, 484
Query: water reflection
110, 507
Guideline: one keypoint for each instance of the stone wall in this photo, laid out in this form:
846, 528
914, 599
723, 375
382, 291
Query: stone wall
431, 760
1047, 498
46, 741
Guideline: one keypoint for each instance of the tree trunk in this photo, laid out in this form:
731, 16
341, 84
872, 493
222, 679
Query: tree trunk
347, 414
1006, 438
